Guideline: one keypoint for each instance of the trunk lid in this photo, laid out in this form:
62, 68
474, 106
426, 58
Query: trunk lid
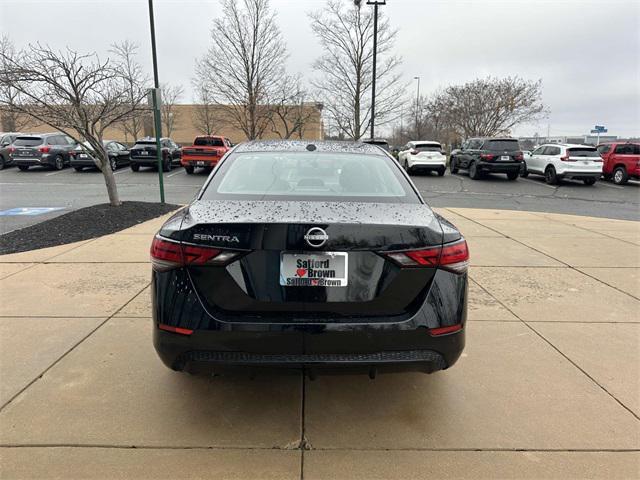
249, 289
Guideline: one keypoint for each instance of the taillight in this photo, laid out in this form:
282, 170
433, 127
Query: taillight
414, 152
565, 158
451, 256
11, 150
519, 157
487, 156
444, 330
168, 254
44, 149
172, 329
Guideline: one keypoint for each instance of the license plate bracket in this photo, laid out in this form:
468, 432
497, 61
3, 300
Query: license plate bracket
314, 269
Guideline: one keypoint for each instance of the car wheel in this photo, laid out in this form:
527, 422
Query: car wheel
453, 166
23, 168
113, 163
550, 175
620, 176
58, 162
189, 169
1, 162
474, 173
441, 171
589, 181
134, 167
166, 166
78, 169
512, 175
524, 173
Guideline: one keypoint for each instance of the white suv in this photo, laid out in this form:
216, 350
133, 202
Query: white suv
423, 155
559, 161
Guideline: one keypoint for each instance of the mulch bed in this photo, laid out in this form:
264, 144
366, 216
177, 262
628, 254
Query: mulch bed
83, 224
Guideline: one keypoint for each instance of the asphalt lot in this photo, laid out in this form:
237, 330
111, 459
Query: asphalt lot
70, 190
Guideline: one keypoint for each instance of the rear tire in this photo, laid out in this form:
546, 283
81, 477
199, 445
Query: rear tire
134, 167
441, 172
113, 163
1, 162
620, 176
589, 181
23, 168
512, 175
453, 166
474, 173
189, 169
550, 175
524, 173
58, 162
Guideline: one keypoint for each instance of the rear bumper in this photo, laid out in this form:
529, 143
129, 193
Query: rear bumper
499, 167
83, 162
357, 345
146, 161
428, 164
578, 175
195, 161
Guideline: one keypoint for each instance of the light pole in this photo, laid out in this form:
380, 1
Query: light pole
155, 95
417, 103
375, 4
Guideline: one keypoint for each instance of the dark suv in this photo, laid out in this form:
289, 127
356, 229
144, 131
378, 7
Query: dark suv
143, 154
488, 155
6, 139
52, 150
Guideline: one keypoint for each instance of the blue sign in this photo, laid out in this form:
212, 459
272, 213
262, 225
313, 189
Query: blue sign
28, 211
599, 128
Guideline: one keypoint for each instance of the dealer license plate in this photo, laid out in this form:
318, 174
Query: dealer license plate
144, 152
505, 158
326, 269
200, 164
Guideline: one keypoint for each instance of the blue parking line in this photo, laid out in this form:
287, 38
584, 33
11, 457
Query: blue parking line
28, 211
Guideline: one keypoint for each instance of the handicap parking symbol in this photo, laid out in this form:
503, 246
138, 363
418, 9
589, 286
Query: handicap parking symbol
28, 211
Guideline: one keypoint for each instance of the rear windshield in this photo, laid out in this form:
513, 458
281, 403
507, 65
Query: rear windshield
583, 152
146, 142
502, 145
310, 176
208, 142
426, 147
28, 141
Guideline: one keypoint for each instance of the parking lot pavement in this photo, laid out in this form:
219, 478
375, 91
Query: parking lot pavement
547, 386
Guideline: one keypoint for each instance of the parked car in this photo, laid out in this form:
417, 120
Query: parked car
488, 155
368, 278
83, 158
559, 161
380, 142
424, 155
205, 152
6, 139
621, 161
144, 154
53, 150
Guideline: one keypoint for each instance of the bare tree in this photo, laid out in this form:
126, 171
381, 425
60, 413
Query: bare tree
489, 106
290, 114
244, 64
206, 116
345, 69
77, 94
169, 97
11, 120
126, 53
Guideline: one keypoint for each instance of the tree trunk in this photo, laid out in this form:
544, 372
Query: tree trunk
109, 179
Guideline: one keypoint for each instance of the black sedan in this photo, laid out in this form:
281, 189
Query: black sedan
309, 256
84, 156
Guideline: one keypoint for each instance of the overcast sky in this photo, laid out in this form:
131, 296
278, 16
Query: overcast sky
587, 53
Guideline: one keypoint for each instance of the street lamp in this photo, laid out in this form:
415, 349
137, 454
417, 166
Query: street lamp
155, 99
417, 103
375, 4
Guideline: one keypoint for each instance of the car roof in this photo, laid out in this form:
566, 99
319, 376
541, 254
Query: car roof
321, 146
429, 142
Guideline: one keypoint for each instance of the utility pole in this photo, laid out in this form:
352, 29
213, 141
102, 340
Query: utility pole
417, 105
155, 95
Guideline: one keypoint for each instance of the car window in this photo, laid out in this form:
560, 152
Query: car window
428, 147
120, 146
604, 148
583, 152
28, 141
635, 149
208, 142
310, 176
112, 146
623, 149
538, 151
502, 145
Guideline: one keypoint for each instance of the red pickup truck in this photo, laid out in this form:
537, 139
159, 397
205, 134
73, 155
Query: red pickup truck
621, 161
205, 152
